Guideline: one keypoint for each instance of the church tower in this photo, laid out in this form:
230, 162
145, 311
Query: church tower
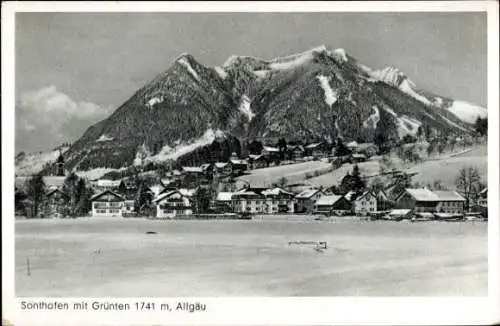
60, 166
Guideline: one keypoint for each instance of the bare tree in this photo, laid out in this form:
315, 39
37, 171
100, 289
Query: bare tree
468, 183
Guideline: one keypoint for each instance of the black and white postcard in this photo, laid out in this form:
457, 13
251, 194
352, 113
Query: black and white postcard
250, 163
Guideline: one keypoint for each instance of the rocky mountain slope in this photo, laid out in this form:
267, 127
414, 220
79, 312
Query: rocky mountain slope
318, 94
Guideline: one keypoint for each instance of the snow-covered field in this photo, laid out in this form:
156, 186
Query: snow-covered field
292, 172
444, 168
114, 257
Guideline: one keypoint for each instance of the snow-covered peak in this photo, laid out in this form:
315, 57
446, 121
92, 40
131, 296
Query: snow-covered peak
389, 75
339, 54
186, 62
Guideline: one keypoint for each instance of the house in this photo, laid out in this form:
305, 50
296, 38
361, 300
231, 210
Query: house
56, 203
352, 146
223, 202
169, 204
270, 152
317, 149
295, 152
193, 176
107, 203
257, 161
425, 200
483, 198
332, 204
306, 199
365, 203
248, 200
238, 165
223, 168
277, 200
357, 158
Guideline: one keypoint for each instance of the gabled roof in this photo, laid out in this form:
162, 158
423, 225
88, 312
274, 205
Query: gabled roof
51, 192
168, 192
328, 200
308, 193
352, 144
364, 194
97, 196
249, 192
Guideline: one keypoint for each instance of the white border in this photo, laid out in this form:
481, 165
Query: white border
262, 311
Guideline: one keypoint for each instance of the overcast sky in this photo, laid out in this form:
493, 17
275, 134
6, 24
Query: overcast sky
74, 69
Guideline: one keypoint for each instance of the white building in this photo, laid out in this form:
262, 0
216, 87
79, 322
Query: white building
365, 203
306, 199
174, 202
278, 200
107, 203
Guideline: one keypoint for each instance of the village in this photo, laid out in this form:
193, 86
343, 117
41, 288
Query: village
217, 191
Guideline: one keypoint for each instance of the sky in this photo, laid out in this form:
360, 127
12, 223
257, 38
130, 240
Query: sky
75, 69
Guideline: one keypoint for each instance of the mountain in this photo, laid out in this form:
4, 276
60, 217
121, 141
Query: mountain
317, 94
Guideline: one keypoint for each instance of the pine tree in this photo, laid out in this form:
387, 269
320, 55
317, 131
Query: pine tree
35, 193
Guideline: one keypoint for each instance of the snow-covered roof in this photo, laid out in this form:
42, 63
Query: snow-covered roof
224, 196
484, 191
238, 161
446, 195
307, 193
106, 192
193, 169
270, 149
221, 164
352, 144
176, 172
422, 194
399, 212
275, 192
328, 200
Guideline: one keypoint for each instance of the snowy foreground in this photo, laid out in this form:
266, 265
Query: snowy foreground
116, 257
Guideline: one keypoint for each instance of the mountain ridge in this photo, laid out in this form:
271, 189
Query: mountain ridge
316, 94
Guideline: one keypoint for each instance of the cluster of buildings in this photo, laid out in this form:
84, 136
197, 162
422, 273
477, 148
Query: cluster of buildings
188, 191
